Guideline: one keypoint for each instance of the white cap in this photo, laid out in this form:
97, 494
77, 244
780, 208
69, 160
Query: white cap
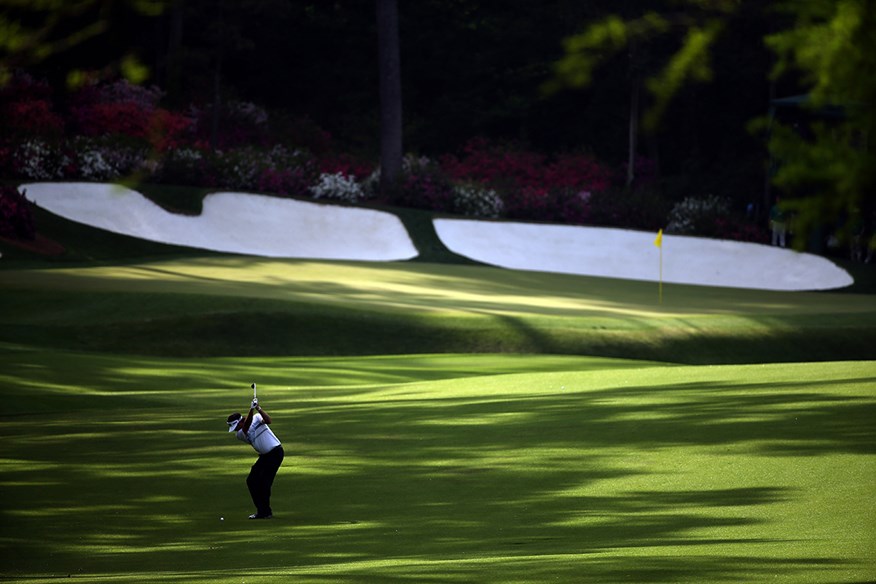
232, 423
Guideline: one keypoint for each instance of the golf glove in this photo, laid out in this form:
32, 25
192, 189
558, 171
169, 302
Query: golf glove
255, 403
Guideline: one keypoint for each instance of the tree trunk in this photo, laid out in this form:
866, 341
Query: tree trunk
390, 94
634, 132
217, 103
217, 81
173, 64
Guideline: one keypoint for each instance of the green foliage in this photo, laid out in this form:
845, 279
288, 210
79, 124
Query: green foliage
576, 67
689, 64
584, 52
587, 50
32, 32
829, 169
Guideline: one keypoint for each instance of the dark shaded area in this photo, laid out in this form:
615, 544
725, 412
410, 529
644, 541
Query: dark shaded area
469, 68
202, 326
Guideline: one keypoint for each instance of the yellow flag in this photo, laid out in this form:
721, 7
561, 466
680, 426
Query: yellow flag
659, 241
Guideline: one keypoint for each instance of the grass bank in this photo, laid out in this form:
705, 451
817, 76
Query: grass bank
213, 306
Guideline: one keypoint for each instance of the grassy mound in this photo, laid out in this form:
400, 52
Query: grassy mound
216, 306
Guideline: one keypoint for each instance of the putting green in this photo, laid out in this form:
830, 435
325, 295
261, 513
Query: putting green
244, 306
504, 468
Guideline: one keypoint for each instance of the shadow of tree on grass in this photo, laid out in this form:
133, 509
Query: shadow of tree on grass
400, 486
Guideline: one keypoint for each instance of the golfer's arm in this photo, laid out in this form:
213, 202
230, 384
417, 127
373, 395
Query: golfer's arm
265, 417
248, 421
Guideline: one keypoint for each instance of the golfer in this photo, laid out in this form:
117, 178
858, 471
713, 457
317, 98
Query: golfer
254, 430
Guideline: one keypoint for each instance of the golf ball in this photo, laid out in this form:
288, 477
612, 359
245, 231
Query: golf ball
221, 519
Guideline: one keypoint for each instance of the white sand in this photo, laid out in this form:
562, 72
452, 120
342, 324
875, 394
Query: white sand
622, 253
275, 227
235, 223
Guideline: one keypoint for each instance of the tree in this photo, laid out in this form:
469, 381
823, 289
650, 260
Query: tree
831, 173
639, 35
828, 45
34, 32
390, 94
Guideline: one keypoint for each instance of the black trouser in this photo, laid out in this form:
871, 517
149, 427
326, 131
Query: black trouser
261, 477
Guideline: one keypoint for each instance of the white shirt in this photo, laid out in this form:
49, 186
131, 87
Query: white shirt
260, 436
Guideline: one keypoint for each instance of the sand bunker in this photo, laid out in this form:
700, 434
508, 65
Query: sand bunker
275, 227
235, 223
621, 253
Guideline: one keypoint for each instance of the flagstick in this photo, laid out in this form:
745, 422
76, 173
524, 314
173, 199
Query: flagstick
658, 241
660, 287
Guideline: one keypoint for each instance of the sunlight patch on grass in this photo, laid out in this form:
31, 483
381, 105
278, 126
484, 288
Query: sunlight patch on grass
480, 468
481, 420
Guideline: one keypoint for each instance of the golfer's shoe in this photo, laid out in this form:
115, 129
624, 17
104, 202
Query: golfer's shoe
257, 516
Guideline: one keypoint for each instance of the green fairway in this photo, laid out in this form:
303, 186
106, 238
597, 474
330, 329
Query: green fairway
524, 468
442, 422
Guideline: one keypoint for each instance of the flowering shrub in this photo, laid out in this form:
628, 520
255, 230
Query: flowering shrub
6, 161
425, 189
108, 158
509, 166
475, 201
168, 130
713, 217
577, 172
337, 186
568, 206
31, 118
26, 109
16, 218
123, 109
697, 216
285, 181
183, 166
526, 203
40, 160
347, 166
94, 166
100, 119
557, 205
492, 165
531, 185
237, 169
123, 91
278, 170
412, 163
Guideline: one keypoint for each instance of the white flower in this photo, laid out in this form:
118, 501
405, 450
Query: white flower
36, 159
93, 166
337, 186
476, 201
684, 215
